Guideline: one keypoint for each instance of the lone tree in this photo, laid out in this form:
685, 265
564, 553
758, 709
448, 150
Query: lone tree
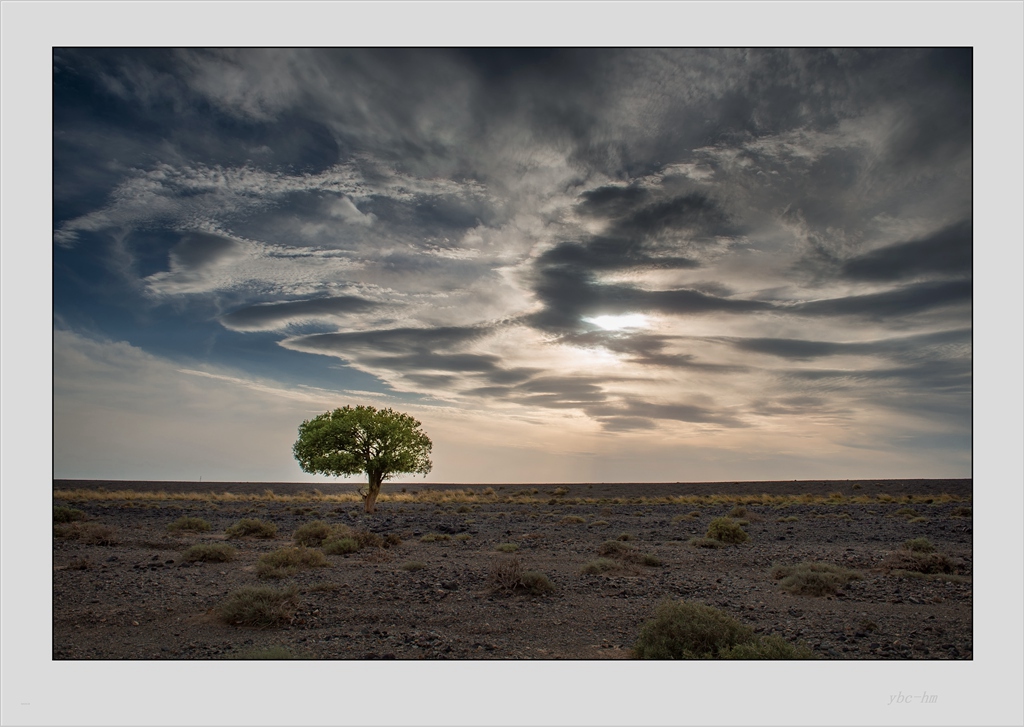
351, 440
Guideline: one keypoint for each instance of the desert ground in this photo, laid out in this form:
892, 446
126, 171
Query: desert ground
429, 575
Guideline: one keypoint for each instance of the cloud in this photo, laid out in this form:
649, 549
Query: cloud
947, 252
909, 299
275, 316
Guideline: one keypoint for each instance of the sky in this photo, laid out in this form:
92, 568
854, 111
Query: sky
571, 265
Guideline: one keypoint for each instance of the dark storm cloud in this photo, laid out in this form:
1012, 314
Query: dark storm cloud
891, 303
198, 250
947, 252
268, 316
634, 413
901, 347
611, 253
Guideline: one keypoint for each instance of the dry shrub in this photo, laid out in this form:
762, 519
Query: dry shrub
962, 512
506, 573
571, 519
413, 565
251, 527
506, 547
813, 579
259, 606
726, 531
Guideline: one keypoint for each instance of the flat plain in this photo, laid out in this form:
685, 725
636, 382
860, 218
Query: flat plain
156, 570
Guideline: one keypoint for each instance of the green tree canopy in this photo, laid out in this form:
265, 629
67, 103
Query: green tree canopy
382, 443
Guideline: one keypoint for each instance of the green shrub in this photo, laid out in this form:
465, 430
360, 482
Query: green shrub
287, 561
919, 545
261, 607
738, 511
683, 630
341, 546
536, 583
191, 524
506, 547
65, 514
767, 647
726, 531
600, 565
788, 519
813, 579
413, 565
463, 537
209, 553
251, 527
312, 534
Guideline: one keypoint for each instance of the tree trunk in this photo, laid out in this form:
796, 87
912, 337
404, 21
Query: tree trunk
370, 501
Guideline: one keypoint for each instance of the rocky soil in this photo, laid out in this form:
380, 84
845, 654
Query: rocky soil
138, 598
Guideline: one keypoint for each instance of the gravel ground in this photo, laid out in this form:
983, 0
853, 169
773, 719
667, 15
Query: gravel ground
138, 599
